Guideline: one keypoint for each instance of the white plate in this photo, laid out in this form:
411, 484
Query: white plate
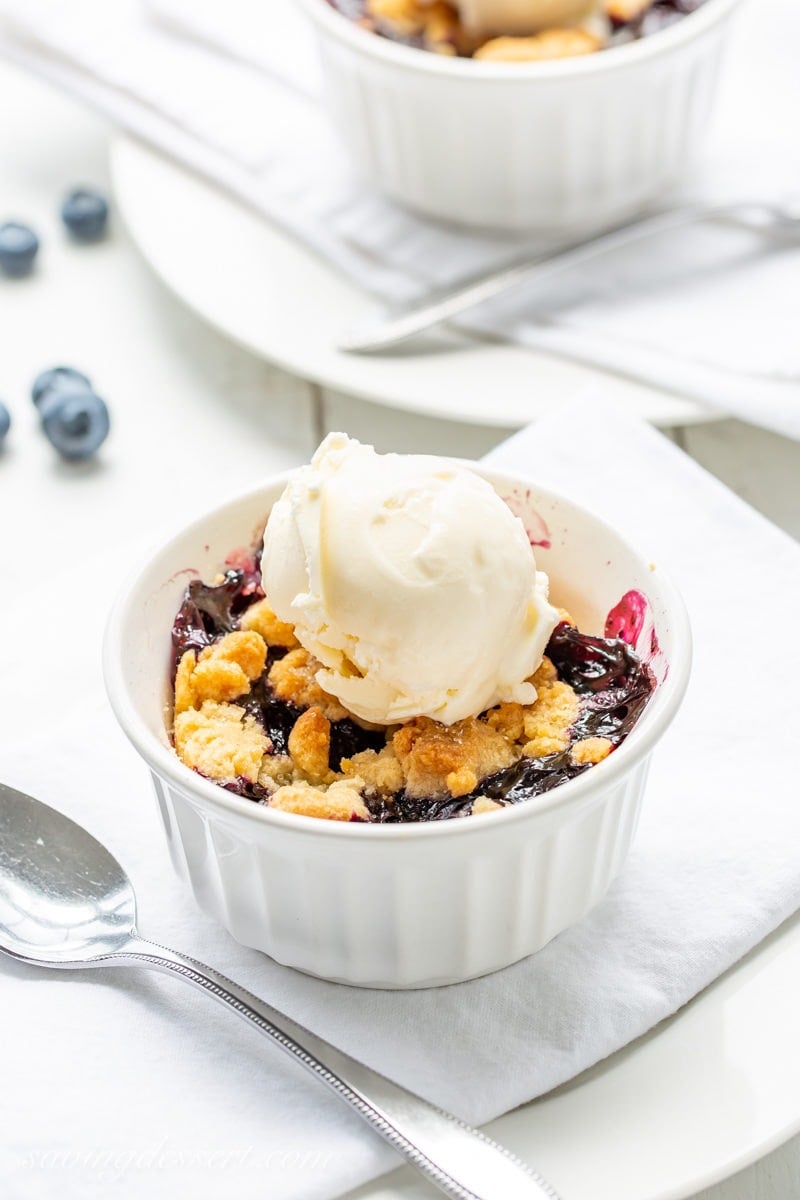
265, 291
702, 1096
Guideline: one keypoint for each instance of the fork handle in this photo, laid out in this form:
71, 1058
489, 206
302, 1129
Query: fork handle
381, 333
458, 1159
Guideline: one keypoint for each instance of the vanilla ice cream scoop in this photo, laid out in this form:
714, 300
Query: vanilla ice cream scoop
522, 16
410, 580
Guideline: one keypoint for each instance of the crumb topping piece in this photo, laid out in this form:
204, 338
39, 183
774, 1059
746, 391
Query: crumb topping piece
545, 673
293, 679
622, 11
310, 746
546, 723
221, 741
591, 750
260, 618
276, 769
433, 20
507, 719
221, 672
551, 44
406, 16
484, 805
449, 758
340, 802
379, 769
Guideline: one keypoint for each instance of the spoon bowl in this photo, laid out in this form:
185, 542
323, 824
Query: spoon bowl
63, 896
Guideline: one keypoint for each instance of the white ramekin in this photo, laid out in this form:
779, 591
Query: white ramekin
553, 147
405, 905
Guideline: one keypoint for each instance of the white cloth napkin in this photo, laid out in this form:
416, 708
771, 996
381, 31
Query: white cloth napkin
230, 89
133, 1080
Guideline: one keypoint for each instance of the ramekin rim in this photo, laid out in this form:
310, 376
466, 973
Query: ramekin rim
164, 762
324, 15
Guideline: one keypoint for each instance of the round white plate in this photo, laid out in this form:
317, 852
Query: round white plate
265, 291
704, 1095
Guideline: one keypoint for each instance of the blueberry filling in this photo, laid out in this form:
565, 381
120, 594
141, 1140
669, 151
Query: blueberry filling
614, 686
348, 738
276, 716
206, 614
209, 611
612, 683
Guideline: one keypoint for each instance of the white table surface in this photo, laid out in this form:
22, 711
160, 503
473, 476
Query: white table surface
181, 397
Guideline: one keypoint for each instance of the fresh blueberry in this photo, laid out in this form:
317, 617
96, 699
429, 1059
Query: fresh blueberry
18, 248
75, 422
58, 379
85, 214
5, 422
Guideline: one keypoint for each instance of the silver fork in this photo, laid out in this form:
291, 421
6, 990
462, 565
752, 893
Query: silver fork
383, 333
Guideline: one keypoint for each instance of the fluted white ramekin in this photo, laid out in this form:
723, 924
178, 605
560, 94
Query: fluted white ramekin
399, 906
565, 146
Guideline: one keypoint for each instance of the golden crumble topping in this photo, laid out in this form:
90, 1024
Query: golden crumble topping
544, 673
422, 757
508, 719
406, 16
262, 620
449, 758
276, 769
310, 746
436, 25
221, 741
435, 21
420, 770
627, 10
223, 671
442, 28
340, 802
379, 769
484, 805
552, 43
546, 723
293, 678
591, 750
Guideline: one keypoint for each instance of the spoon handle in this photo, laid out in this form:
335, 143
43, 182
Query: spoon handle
458, 1159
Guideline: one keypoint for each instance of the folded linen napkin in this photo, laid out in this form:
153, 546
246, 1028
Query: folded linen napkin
231, 91
138, 1082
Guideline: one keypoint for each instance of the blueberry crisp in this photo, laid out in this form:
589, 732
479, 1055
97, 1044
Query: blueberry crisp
250, 714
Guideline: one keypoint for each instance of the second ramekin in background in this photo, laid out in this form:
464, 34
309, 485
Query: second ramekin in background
570, 145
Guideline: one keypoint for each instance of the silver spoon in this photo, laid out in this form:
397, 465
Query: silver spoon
66, 902
384, 332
